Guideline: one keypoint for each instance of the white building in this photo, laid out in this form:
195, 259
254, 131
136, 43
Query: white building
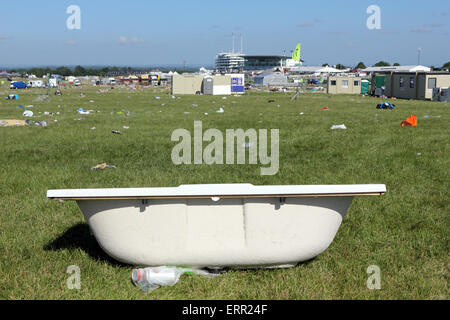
398, 69
229, 62
317, 70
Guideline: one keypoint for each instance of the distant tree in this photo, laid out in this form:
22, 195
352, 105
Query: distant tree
446, 65
38, 72
382, 64
340, 66
325, 65
63, 71
360, 65
79, 71
396, 64
48, 71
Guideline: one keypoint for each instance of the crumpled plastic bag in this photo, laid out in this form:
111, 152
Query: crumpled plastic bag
339, 126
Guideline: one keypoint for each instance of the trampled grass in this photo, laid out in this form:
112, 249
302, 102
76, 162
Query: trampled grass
405, 232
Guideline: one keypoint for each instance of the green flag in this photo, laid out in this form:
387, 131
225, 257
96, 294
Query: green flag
296, 54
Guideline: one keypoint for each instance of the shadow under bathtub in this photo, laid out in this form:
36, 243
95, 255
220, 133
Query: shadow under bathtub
79, 237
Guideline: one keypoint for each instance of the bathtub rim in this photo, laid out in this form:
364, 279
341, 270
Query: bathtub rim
199, 191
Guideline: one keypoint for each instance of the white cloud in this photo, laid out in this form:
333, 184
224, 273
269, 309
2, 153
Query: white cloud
426, 28
124, 40
306, 24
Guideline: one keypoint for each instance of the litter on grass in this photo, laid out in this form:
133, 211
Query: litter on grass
428, 116
338, 127
102, 166
13, 123
386, 105
151, 278
82, 111
411, 121
28, 113
220, 110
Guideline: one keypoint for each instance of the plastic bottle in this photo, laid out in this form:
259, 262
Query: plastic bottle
149, 279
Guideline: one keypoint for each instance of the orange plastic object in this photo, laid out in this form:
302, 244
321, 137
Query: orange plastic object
411, 121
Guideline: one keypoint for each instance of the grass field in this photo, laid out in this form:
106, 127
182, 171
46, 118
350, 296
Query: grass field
405, 232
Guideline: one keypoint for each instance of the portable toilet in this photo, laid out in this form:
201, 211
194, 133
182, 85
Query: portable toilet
208, 85
365, 86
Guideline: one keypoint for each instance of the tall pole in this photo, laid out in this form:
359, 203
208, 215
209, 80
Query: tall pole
418, 58
232, 40
242, 50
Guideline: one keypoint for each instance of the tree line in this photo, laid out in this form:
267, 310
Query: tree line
80, 71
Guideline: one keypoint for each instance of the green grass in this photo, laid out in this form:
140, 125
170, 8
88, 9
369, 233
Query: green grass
405, 232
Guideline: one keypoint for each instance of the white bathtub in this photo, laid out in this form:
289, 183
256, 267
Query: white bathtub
218, 225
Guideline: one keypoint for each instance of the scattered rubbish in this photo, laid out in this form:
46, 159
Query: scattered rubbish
186, 112
271, 101
163, 104
151, 278
41, 124
220, 110
20, 106
338, 126
386, 105
58, 93
91, 101
126, 127
93, 128
28, 113
29, 106
12, 97
224, 98
419, 154
102, 166
115, 131
195, 105
428, 116
82, 111
411, 121
157, 98
206, 113
173, 97
13, 123
247, 144
324, 108
301, 113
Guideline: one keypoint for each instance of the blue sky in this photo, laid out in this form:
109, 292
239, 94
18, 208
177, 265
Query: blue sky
149, 33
